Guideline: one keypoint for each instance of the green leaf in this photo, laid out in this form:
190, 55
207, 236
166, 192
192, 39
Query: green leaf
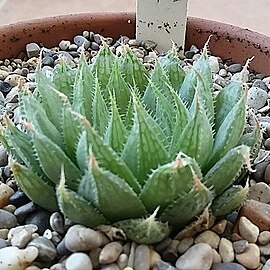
226, 100
188, 205
116, 134
230, 200
22, 143
40, 191
72, 129
82, 152
144, 150
144, 230
63, 77
83, 90
36, 115
119, 88
168, 181
76, 208
108, 158
53, 101
52, 157
122, 202
230, 131
103, 64
133, 71
100, 111
172, 65
225, 171
196, 139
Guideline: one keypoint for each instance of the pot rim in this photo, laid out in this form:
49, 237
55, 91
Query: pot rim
228, 41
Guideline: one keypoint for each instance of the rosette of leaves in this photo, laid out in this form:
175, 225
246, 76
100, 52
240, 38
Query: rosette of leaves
147, 151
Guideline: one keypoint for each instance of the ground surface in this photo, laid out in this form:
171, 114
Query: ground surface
246, 13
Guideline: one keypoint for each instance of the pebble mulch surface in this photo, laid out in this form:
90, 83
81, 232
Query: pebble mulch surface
33, 239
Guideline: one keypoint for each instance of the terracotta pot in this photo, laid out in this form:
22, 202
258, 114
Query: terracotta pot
228, 42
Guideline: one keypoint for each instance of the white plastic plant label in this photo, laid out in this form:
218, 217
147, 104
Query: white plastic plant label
162, 21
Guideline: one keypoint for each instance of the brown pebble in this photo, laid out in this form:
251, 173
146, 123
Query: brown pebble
250, 258
216, 256
219, 227
154, 258
236, 237
110, 253
5, 193
258, 213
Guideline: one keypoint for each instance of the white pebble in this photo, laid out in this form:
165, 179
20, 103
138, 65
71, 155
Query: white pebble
78, 261
248, 230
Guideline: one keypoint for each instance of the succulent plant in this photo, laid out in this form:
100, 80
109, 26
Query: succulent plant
147, 151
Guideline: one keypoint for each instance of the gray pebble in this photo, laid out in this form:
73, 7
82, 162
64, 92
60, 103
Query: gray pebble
3, 156
3, 243
260, 84
164, 266
265, 250
80, 238
260, 168
228, 266
267, 174
112, 266
48, 61
46, 249
240, 246
98, 39
7, 220
64, 44
267, 144
57, 222
142, 257
264, 238
110, 253
73, 47
234, 68
260, 192
86, 34
257, 98
198, 256
65, 55
94, 46
80, 40
61, 248
25, 209
32, 50
189, 54
267, 265
57, 266
78, 261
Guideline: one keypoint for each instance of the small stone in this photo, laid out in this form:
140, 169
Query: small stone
220, 226
199, 256
94, 46
149, 45
260, 192
19, 198
208, 237
267, 265
248, 230
66, 55
265, 250
3, 243
250, 258
267, 170
216, 256
46, 249
64, 44
267, 144
257, 98
86, 34
260, 84
21, 239
7, 220
13, 258
111, 266
185, 244
226, 250
57, 266
258, 213
134, 43
122, 260
213, 63
170, 253
154, 258
40, 218
78, 261
264, 238
110, 253
94, 256
142, 258
32, 50
4, 233
3, 74
48, 61
228, 266
61, 248
25, 209
234, 68
260, 168
80, 40
5, 193
98, 39
80, 238
73, 47
240, 246
162, 266
189, 54
223, 72
33, 267
57, 222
